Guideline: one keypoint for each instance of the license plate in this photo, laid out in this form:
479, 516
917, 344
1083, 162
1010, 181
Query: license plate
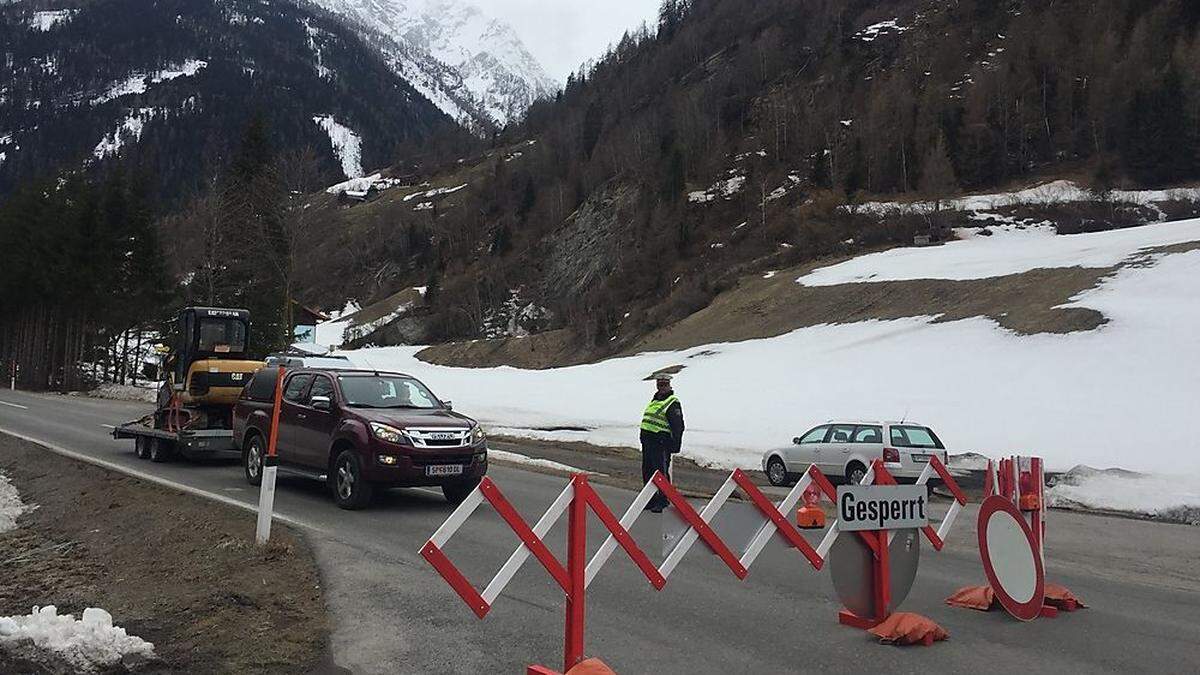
920, 458
444, 470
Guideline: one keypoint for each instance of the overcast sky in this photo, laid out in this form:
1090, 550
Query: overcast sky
562, 34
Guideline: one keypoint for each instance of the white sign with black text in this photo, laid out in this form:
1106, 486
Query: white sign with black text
882, 507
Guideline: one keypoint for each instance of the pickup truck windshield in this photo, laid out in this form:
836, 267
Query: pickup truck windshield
386, 392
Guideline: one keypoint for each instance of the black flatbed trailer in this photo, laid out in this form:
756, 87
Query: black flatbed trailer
158, 445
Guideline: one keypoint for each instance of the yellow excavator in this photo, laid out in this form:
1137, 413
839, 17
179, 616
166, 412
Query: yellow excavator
205, 370
202, 376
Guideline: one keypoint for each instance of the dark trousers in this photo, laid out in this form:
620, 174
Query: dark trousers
656, 456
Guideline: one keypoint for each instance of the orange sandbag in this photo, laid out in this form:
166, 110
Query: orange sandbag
591, 667
1059, 597
906, 628
982, 598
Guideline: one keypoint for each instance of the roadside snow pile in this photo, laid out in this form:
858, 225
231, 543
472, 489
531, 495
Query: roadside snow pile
126, 392
518, 458
1007, 251
89, 644
1173, 498
347, 145
11, 506
966, 462
1067, 397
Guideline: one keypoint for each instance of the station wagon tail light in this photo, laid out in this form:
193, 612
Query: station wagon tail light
891, 455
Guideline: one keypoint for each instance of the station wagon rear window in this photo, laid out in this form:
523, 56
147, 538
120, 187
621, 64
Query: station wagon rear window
909, 436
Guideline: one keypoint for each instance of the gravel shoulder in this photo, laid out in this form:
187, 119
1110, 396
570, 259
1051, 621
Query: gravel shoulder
179, 571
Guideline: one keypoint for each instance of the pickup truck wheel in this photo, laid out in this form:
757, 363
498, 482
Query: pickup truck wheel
855, 473
350, 490
456, 493
252, 459
160, 450
777, 472
141, 447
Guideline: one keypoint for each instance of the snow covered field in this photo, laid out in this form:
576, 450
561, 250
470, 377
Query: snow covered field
1116, 396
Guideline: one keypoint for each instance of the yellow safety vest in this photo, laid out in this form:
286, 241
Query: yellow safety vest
654, 419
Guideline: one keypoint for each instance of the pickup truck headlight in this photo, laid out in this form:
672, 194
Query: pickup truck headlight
389, 434
477, 435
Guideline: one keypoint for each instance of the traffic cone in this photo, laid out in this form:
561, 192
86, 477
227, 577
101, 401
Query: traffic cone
810, 516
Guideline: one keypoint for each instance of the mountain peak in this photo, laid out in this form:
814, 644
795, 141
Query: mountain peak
472, 65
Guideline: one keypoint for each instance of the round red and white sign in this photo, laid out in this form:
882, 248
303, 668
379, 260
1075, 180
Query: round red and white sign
1010, 559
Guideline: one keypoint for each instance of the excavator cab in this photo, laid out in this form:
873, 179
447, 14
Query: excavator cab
207, 366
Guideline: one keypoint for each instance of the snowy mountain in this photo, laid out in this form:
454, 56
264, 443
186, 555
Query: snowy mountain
472, 66
167, 87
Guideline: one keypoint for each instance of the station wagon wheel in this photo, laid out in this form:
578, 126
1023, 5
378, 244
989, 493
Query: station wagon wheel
855, 473
350, 490
252, 460
777, 472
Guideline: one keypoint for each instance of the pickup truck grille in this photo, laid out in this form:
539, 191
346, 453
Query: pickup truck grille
439, 438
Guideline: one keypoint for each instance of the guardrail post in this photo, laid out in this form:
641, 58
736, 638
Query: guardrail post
266, 492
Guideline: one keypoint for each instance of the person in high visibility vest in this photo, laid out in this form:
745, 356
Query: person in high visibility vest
661, 435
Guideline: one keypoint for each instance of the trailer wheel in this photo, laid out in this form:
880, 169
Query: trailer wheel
141, 447
160, 450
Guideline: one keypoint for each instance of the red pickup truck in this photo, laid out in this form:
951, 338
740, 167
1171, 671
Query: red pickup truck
359, 431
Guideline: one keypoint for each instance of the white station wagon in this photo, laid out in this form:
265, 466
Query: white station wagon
845, 450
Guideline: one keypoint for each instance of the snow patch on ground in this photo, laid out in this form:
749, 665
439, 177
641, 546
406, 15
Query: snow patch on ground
346, 144
365, 184
126, 392
1175, 498
724, 189
1055, 192
44, 21
870, 33
11, 506
967, 461
330, 334
130, 129
1007, 251
89, 644
436, 192
138, 83
1068, 398
518, 458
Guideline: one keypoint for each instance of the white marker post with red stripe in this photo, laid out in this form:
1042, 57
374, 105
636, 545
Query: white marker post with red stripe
266, 492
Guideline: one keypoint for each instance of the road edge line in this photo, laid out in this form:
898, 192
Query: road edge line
158, 480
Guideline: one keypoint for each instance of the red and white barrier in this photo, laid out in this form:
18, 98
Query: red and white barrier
577, 574
1012, 535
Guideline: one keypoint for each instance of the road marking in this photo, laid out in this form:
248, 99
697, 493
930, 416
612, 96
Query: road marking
108, 426
166, 482
14, 405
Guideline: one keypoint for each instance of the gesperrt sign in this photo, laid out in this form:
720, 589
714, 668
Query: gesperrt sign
882, 507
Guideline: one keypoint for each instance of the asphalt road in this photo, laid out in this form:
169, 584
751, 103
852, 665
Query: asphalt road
393, 613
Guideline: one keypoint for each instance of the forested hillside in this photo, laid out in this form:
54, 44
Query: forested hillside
739, 135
